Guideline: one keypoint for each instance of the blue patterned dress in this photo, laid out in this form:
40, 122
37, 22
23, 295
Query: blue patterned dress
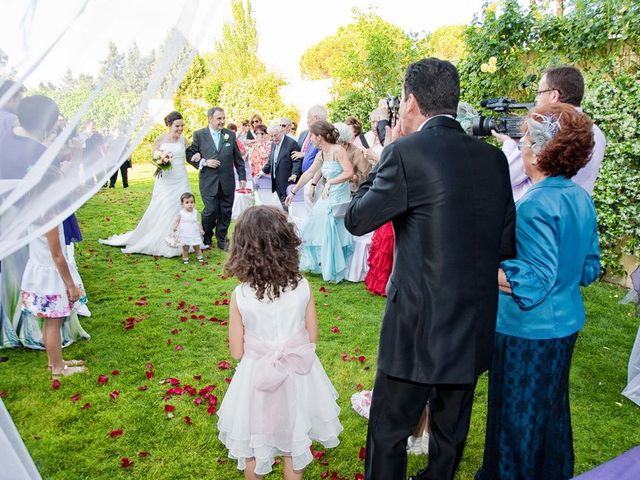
326, 243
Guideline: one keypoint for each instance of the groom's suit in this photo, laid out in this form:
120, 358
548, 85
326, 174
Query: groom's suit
449, 197
217, 185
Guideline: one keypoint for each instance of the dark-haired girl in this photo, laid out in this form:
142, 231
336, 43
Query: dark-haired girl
149, 235
326, 242
280, 399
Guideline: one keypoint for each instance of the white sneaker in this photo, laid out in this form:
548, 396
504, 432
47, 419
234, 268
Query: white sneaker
414, 445
425, 443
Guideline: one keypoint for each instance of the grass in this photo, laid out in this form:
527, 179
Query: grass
69, 442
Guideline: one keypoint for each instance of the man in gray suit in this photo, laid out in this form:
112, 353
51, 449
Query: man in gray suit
215, 153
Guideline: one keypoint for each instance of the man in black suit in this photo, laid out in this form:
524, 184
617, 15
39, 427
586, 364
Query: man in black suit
215, 153
283, 169
449, 197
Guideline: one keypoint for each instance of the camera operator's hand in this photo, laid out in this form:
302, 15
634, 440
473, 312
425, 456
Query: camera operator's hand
500, 137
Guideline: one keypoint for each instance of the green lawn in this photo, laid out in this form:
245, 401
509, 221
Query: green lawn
69, 442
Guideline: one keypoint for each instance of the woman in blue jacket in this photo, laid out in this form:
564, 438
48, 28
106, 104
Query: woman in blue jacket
540, 309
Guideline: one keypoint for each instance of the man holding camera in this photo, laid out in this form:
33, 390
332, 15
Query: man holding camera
449, 198
558, 84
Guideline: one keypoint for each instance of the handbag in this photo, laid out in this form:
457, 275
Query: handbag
172, 240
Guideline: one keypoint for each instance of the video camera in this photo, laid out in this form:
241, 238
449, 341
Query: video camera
507, 124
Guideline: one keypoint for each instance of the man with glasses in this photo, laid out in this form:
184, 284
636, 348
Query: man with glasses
286, 124
558, 84
281, 165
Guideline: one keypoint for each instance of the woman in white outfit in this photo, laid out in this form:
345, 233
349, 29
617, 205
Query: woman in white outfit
149, 236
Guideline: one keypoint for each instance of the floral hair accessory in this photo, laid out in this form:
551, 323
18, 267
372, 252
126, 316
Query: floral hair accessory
542, 128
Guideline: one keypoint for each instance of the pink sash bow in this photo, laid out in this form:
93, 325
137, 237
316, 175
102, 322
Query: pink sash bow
278, 361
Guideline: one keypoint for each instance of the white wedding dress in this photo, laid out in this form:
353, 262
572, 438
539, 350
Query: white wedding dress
149, 235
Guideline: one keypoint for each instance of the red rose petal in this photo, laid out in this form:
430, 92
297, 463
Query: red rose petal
116, 433
224, 365
55, 384
179, 348
4, 394
344, 356
335, 329
197, 377
323, 290
228, 379
175, 331
149, 366
362, 359
142, 388
359, 387
103, 379
362, 453
143, 454
212, 409
167, 290
125, 462
358, 476
197, 401
149, 374
115, 394
86, 406
75, 397
187, 420
115, 372
169, 408
172, 381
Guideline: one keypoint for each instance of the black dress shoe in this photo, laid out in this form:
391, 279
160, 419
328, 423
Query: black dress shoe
223, 246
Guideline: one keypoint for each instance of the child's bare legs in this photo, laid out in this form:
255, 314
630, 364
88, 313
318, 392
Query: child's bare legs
53, 343
185, 253
289, 472
249, 470
423, 424
198, 251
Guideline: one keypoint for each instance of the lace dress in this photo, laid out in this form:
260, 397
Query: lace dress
155, 225
280, 399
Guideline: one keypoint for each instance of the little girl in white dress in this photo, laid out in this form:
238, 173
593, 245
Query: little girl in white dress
280, 399
188, 228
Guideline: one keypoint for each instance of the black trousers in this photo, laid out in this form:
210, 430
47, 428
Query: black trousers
216, 215
125, 176
396, 408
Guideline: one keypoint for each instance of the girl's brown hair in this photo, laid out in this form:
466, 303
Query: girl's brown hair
264, 252
326, 130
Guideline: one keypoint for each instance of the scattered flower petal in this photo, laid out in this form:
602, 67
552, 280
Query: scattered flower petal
115, 394
149, 374
187, 420
125, 462
55, 384
335, 329
224, 365
142, 388
362, 453
115, 372
86, 406
103, 379
169, 408
116, 433
143, 454
75, 397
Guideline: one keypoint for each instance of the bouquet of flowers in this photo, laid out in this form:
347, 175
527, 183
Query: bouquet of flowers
162, 160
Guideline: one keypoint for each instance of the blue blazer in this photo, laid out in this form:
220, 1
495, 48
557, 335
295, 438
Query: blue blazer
557, 251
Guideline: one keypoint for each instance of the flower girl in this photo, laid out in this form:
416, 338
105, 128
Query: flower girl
187, 227
280, 399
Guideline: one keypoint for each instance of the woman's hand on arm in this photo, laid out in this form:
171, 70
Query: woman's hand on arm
236, 330
302, 181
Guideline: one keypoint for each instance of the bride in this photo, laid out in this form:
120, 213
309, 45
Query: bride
155, 226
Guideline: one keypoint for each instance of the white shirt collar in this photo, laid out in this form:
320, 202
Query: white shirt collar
439, 115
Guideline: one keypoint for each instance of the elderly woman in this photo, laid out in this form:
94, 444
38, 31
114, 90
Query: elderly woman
540, 310
260, 150
360, 165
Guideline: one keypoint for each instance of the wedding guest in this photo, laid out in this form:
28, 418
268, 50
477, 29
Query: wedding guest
540, 310
359, 139
9, 110
260, 150
286, 124
558, 84
360, 166
327, 244
267, 412
116, 142
234, 128
244, 130
280, 166
308, 152
255, 120
449, 198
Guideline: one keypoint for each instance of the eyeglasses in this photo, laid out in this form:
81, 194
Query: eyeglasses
540, 92
522, 144
284, 126
255, 121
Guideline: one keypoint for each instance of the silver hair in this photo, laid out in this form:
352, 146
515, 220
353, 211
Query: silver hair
317, 111
274, 128
285, 121
465, 115
541, 129
345, 132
